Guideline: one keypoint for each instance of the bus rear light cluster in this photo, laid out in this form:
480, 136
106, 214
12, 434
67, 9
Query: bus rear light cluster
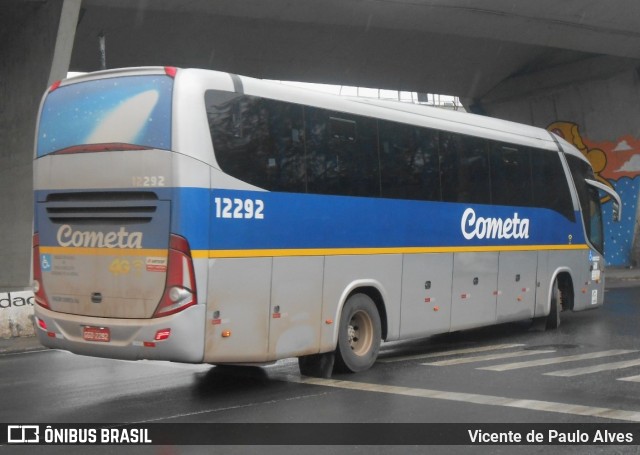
180, 287
38, 288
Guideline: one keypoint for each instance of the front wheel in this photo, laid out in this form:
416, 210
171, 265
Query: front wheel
359, 335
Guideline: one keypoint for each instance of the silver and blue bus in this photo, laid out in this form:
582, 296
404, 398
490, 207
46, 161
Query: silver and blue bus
203, 217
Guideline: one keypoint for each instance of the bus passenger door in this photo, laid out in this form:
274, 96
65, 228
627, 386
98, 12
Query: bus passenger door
517, 285
426, 294
473, 300
296, 306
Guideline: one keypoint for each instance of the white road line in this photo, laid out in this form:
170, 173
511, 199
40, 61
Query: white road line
630, 379
481, 358
595, 368
537, 405
447, 353
554, 360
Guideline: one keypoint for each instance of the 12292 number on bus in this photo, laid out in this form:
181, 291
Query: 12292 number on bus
239, 208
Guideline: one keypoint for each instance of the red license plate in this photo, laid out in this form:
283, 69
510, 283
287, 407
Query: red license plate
96, 334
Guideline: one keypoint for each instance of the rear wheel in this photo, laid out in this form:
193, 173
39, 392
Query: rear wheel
359, 335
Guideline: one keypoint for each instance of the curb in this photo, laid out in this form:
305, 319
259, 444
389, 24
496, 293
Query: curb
20, 344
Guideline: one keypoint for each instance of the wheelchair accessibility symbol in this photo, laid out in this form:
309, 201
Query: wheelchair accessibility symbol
45, 262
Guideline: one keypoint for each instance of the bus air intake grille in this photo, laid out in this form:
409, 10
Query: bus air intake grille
101, 208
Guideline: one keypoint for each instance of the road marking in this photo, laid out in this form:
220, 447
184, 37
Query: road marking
448, 353
481, 358
595, 368
554, 360
630, 379
537, 405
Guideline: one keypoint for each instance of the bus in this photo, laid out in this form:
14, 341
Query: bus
198, 216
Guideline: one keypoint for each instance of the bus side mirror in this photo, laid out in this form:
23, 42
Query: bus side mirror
615, 198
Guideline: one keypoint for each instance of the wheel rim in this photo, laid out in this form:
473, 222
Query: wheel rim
360, 333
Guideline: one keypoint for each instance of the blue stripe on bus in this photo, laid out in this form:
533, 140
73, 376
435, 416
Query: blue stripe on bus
254, 220
308, 221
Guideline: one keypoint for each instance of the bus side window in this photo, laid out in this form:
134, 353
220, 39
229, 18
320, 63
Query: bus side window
511, 175
258, 140
237, 133
550, 187
464, 167
285, 165
342, 154
409, 163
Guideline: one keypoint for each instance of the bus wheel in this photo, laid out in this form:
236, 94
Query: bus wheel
555, 307
359, 335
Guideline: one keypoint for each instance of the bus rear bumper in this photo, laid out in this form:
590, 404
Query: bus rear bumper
178, 337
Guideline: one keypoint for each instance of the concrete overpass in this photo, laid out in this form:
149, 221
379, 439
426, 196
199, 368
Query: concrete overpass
571, 66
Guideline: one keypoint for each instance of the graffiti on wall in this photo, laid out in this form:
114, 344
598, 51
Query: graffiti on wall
16, 313
616, 164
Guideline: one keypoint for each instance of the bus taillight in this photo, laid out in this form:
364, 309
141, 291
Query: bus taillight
180, 288
38, 288
171, 71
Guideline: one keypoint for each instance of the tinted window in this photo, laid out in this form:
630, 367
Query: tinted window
282, 146
342, 154
550, 187
511, 175
409, 163
257, 140
464, 167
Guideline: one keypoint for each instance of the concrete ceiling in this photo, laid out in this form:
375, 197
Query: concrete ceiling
462, 47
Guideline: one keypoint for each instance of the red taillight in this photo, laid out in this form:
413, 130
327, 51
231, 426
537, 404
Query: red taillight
54, 86
171, 71
38, 288
180, 287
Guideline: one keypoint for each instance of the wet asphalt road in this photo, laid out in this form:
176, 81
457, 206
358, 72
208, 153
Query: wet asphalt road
587, 371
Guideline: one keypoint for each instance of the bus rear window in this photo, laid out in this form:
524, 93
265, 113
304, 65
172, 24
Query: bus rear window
129, 110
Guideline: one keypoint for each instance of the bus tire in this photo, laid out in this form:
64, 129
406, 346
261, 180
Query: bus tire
359, 335
555, 307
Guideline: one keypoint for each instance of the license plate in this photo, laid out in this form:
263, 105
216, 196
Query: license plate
96, 334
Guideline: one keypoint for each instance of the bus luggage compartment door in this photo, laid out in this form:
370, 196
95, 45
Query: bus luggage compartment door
238, 310
426, 294
473, 300
517, 285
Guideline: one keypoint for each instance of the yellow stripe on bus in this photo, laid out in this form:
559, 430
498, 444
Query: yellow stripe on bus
81, 251
214, 254
201, 254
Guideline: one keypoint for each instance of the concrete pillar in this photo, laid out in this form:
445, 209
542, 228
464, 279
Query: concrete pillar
36, 42
592, 103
